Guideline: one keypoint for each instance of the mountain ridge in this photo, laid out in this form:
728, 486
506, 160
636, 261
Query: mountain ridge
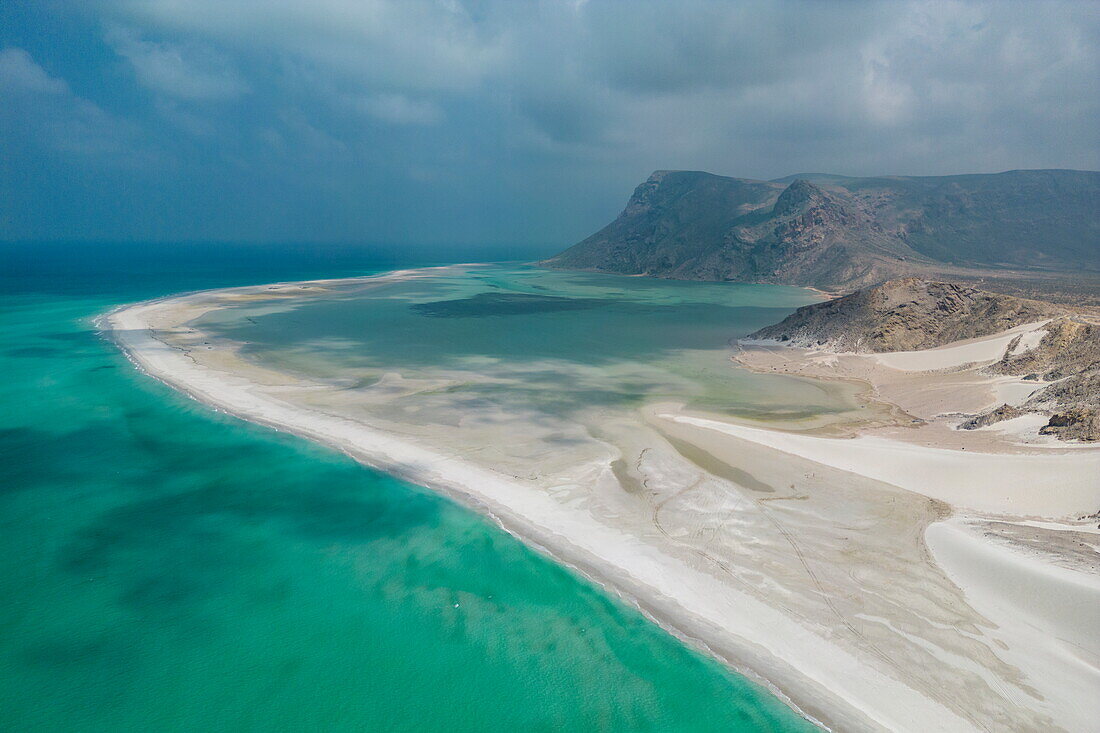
842, 233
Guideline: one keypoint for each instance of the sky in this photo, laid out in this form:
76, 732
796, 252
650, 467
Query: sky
463, 122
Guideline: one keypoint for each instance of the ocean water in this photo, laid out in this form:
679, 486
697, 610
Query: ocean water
165, 567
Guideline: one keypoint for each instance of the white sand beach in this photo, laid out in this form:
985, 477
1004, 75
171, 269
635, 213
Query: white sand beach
852, 575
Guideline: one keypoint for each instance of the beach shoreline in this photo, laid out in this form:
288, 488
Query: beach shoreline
822, 680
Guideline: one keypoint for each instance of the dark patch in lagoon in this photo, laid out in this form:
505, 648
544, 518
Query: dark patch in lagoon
174, 552
28, 457
504, 304
744, 412
85, 335
34, 352
96, 650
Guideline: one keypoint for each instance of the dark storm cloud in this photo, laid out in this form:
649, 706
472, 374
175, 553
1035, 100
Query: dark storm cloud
387, 120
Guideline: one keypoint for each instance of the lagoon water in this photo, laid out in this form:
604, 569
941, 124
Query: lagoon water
165, 567
519, 339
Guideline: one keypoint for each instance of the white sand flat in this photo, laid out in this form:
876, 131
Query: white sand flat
1038, 485
1051, 613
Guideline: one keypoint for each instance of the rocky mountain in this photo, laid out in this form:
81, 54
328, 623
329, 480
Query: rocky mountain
913, 313
836, 232
904, 315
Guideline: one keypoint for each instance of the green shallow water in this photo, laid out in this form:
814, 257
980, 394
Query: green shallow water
164, 567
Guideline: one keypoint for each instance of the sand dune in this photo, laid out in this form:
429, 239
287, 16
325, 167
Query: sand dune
985, 349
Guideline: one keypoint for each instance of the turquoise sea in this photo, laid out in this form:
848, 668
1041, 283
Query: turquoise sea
165, 567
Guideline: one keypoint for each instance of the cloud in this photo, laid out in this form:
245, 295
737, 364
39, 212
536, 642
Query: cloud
615, 78
20, 74
405, 45
190, 72
399, 110
41, 110
651, 47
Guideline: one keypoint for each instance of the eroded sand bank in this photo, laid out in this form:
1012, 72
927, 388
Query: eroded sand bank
787, 564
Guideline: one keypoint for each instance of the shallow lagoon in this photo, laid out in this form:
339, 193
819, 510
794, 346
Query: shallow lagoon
530, 338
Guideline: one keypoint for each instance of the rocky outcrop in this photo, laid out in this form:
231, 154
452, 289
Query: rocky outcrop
1069, 346
1068, 357
904, 315
841, 233
1004, 412
912, 313
1076, 423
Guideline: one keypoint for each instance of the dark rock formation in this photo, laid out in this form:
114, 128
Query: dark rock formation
1077, 423
1004, 412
